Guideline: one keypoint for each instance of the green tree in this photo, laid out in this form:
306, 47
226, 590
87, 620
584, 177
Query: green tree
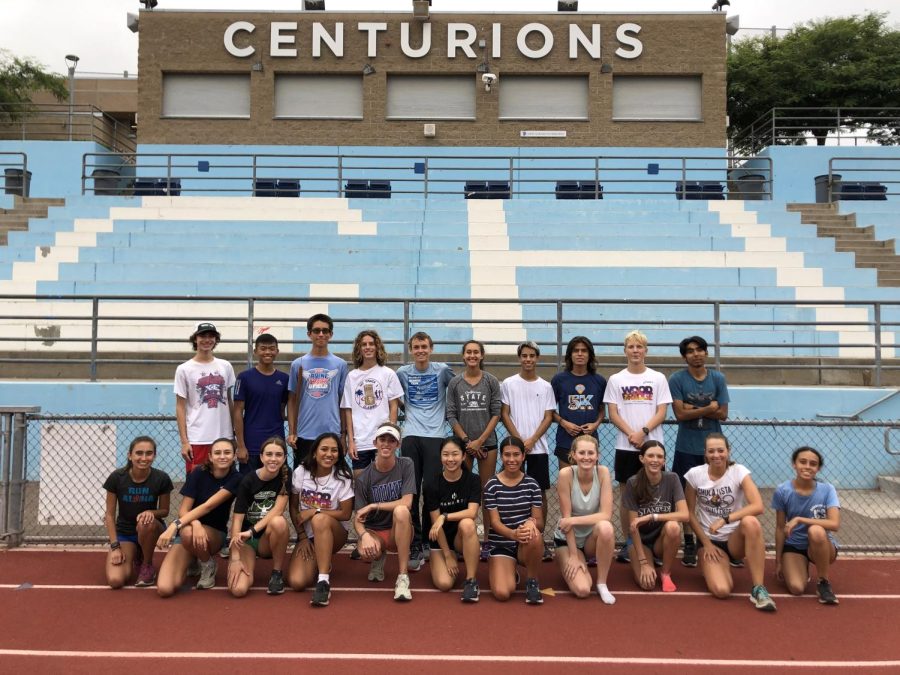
816, 68
19, 79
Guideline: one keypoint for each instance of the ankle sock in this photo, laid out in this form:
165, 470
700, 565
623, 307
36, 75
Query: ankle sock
324, 577
605, 595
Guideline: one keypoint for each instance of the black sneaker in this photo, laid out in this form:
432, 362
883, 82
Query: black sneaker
470, 591
826, 595
533, 592
549, 552
321, 594
276, 583
736, 562
689, 559
622, 556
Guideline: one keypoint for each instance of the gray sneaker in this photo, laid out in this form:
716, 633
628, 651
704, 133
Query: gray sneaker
321, 595
826, 595
276, 583
761, 599
471, 591
416, 559
376, 570
207, 574
533, 592
401, 588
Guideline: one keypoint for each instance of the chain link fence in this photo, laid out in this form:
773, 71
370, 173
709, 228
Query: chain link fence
67, 459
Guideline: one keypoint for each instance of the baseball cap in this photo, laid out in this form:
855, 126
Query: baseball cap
206, 327
388, 430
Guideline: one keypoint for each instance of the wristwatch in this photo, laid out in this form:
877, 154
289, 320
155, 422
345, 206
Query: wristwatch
727, 518
319, 510
114, 546
646, 431
177, 524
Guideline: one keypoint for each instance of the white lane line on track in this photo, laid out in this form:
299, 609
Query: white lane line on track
386, 589
586, 660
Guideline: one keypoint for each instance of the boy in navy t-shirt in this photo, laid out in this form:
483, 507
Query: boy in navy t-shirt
578, 391
260, 398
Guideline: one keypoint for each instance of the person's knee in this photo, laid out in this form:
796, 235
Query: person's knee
581, 590
794, 586
164, 589
401, 513
672, 530
603, 529
238, 591
750, 526
278, 526
443, 584
501, 594
115, 583
817, 534
467, 527
320, 524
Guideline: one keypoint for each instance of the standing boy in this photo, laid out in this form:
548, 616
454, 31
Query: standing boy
637, 397
527, 413
316, 384
700, 402
578, 391
203, 397
425, 389
260, 397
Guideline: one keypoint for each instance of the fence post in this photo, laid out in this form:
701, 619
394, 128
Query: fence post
12, 480
95, 320
559, 334
717, 333
877, 316
251, 309
405, 331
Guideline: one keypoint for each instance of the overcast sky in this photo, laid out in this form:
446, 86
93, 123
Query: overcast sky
95, 30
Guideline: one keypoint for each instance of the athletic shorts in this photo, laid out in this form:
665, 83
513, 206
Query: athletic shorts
562, 543
510, 550
254, 543
649, 539
200, 453
126, 538
787, 548
684, 462
722, 545
627, 463
562, 454
366, 457
538, 467
451, 529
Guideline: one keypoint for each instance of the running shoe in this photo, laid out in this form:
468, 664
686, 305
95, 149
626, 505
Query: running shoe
689, 559
471, 591
826, 595
207, 574
276, 583
485, 552
533, 592
592, 561
622, 556
668, 586
354, 554
194, 569
401, 588
146, 576
416, 559
736, 562
657, 561
321, 594
761, 599
376, 569
225, 551
549, 553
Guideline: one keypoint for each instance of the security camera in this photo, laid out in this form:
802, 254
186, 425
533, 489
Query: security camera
488, 79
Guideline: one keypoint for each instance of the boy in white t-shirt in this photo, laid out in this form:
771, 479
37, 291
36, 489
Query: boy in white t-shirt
203, 403
372, 394
637, 398
528, 404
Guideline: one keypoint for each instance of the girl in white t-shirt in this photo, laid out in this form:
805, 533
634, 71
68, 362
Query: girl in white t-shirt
724, 503
321, 501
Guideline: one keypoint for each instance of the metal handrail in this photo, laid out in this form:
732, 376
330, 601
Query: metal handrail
441, 174
863, 169
247, 314
53, 121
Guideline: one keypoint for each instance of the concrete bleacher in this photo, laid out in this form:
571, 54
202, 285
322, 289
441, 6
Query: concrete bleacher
884, 216
441, 248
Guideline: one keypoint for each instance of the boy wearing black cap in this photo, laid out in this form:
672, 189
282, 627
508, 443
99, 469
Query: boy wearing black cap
203, 397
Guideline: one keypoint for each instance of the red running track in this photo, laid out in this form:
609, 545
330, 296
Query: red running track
63, 619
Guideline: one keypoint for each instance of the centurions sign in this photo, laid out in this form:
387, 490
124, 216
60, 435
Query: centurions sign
460, 38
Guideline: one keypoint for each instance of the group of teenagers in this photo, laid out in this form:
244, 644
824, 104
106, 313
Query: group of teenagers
355, 471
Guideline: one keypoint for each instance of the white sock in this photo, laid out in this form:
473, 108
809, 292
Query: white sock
605, 595
324, 577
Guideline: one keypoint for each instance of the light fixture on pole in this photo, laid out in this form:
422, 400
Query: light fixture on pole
567, 6
71, 62
719, 4
314, 5
421, 9
149, 4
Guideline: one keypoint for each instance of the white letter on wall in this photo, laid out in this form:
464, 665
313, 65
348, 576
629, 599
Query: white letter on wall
404, 41
495, 40
277, 39
623, 35
230, 47
528, 51
372, 29
335, 44
577, 37
464, 43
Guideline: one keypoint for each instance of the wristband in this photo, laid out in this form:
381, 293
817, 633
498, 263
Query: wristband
114, 546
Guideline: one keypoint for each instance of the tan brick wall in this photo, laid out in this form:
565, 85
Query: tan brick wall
192, 42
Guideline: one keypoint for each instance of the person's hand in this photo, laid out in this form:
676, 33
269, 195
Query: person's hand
636, 438
648, 575
199, 536
436, 527
186, 452
117, 556
573, 565
590, 428
368, 546
570, 428
351, 448
636, 525
717, 525
242, 453
236, 568
145, 518
474, 449
364, 512
305, 549
565, 524
291, 440
238, 541
790, 525
713, 554
529, 444
779, 572
165, 539
452, 563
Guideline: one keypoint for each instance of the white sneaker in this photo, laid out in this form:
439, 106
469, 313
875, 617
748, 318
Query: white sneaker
207, 574
401, 588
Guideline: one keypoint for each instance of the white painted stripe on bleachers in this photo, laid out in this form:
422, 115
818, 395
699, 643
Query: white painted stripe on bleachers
488, 235
334, 291
360, 227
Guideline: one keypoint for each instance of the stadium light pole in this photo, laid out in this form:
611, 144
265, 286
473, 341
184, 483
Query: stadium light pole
71, 62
